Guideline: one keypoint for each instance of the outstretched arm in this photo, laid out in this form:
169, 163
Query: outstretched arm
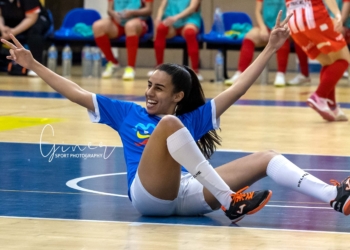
278, 36
62, 85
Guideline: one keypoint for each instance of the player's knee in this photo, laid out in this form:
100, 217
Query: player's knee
170, 122
162, 28
133, 25
269, 154
189, 32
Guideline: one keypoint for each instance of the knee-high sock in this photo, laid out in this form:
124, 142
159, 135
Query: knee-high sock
246, 56
185, 151
303, 60
132, 44
282, 57
329, 77
331, 96
159, 42
285, 173
104, 44
190, 36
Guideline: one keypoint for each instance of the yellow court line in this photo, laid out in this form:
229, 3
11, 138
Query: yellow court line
15, 122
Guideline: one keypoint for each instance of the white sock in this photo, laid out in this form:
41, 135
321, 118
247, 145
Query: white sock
285, 173
185, 151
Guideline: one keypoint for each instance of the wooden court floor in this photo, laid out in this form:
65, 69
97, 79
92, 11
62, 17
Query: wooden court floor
265, 118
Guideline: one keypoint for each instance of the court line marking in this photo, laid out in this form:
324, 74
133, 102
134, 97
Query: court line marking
219, 150
171, 224
74, 185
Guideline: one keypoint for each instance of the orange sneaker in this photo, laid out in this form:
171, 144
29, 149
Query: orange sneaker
341, 203
246, 203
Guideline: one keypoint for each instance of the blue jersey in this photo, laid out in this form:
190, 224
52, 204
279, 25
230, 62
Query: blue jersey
135, 125
270, 9
175, 7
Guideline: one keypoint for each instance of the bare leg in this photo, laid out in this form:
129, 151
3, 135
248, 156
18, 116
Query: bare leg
158, 171
105, 26
241, 173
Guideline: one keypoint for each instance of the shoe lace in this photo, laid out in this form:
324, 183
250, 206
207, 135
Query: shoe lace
334, 182
240, 196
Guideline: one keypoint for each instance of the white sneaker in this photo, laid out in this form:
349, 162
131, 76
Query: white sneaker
32, 73
233, 78
280, 80
129, 74
110, 70
299, 79
149, 73
346, 74
200, 77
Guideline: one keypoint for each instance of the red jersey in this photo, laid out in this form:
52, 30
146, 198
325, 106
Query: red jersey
307, 14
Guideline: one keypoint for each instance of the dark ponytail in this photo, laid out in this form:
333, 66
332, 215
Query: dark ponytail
185, 79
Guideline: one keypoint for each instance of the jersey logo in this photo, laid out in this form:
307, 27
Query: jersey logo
143, 132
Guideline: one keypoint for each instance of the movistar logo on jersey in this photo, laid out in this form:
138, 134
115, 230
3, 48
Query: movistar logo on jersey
143, 132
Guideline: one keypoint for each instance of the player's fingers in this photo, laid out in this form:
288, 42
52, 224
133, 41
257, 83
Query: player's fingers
12, 53
14, 39
11, 45
278, 19
286, 20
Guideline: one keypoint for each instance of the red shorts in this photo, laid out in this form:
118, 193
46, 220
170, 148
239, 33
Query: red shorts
322, 39
121, 29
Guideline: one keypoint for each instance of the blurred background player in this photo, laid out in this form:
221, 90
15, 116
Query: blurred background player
28, 19
126, 17
265, 13
178, 17
320, 37
303, 76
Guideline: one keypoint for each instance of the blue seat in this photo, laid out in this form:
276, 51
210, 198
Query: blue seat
77, 15
143, 39
214, 41
229, 18
51, 30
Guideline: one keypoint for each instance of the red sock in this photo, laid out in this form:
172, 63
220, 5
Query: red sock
331, 96
132, 44
282, 57
190, 36
246, 56
159, 42
303, 62
104, 44
329, 77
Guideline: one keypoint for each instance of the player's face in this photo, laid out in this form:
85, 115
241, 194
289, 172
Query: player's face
160, 99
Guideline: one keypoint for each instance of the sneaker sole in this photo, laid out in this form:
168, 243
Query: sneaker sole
346, 208
238, 219
262, 204
325, 115
279, 85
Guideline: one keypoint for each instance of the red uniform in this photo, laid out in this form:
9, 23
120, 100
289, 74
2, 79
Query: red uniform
312, 28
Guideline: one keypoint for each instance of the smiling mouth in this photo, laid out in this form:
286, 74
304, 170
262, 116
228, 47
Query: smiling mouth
151, 103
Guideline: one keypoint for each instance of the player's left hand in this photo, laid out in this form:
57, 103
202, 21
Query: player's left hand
18, 53
280, 33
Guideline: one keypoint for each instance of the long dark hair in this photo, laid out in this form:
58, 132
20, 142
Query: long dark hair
185, 79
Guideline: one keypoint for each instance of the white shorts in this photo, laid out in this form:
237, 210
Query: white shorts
189, 201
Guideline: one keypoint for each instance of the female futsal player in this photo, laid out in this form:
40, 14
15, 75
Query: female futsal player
161, 137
